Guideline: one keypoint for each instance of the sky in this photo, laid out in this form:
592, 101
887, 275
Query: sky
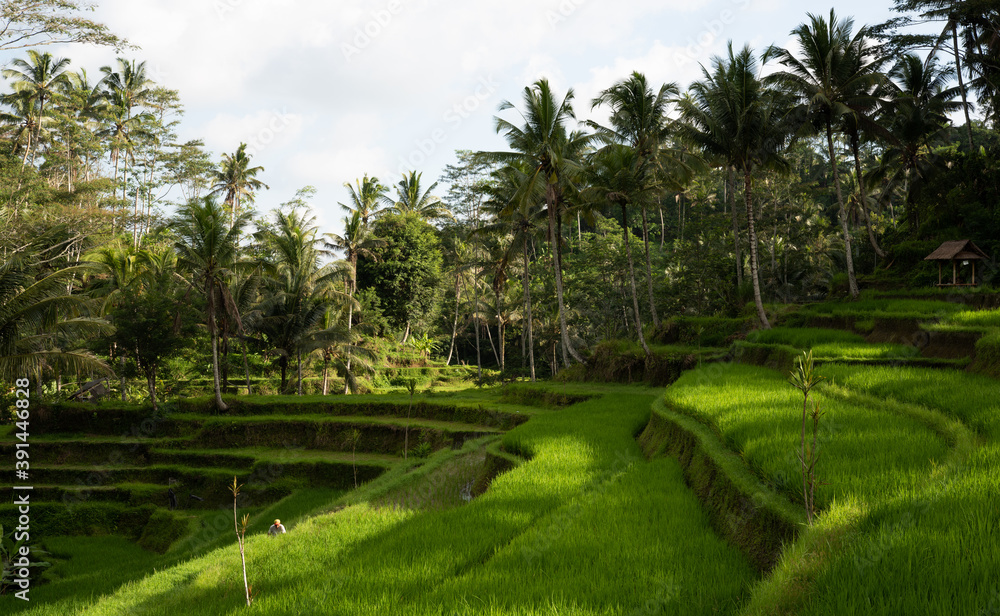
324, 92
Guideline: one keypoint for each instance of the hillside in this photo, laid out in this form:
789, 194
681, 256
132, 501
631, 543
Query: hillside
610, 499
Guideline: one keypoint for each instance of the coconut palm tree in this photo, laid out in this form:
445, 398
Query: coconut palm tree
301, 291
41, 77
544, 144
639, 120
124, 90
832, 79
518, 215
208, 251
972, 30
460, 255
80, 107
367, 195
237, 180
617, 177
358, 240
340, 349
36, 312
22, 122
982, 44
731, 114
917, 117
410, 198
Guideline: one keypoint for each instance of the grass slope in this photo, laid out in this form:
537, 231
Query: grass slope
585, 526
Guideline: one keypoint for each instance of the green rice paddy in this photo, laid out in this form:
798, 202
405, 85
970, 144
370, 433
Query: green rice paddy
579, 521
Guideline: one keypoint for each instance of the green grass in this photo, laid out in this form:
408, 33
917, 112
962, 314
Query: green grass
974, 318
831, 343
932, 551
973, 400
882, 308
585, 526
865, 453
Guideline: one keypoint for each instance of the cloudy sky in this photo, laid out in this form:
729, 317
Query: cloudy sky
326, 91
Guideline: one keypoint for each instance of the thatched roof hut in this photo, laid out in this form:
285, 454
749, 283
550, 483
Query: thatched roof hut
957, 250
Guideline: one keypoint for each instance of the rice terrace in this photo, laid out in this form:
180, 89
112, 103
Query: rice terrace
530, 308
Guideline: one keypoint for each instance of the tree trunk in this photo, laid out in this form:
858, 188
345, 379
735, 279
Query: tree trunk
151, 383
224, 364
493, 346
649, 270
631, 273
527, 314
135, 222
475, 327
731, 198
554, 227
299, 370
663, 229
852, 282
961, 82
500, 328
213, 332
454, 323
121, 363
748, 198
326, 373
347, 367
246, 367
863, 193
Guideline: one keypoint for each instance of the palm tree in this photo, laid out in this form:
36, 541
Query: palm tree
982, 43
977, 24
917, 118
36, 311
731, 114
519, 215
366, 196
833, 80
124, 90
616, 176
301, 291
41, 77
207, 249
117, 268
237, 180
23, 120
80, 106
358, 240
544, 145
340, 349
410, 198
461, 259
639, 120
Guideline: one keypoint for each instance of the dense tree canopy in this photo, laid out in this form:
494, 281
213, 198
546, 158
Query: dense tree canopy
837, 172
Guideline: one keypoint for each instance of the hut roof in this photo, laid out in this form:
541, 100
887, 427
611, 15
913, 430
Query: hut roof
957, 249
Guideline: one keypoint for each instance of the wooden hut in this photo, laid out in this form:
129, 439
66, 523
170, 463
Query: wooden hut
955, 251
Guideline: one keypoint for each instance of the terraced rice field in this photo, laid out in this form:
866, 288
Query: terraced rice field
578, 520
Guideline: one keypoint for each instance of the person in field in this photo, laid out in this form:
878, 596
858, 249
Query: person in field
276, 529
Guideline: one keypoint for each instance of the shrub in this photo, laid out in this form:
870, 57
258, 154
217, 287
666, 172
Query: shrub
161, 531
988, 354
